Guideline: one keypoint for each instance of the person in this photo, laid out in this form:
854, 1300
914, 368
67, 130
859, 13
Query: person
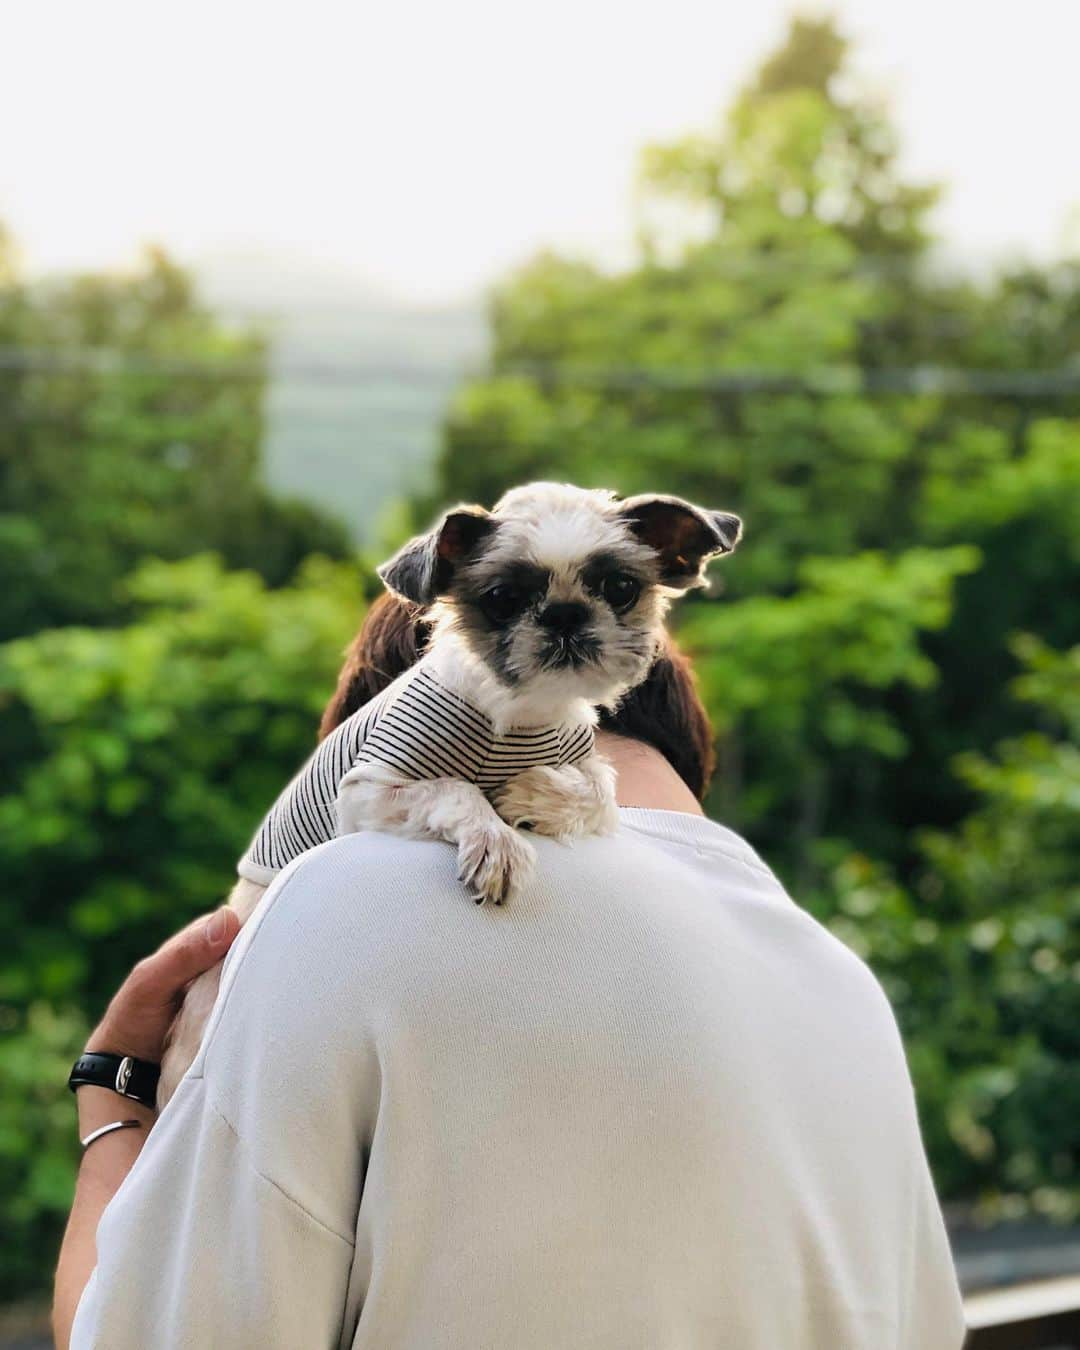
653, 1103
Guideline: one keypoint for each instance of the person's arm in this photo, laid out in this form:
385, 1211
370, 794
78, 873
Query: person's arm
135, 1023
236, 1224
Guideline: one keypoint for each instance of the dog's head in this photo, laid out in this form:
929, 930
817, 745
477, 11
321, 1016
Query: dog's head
561, 588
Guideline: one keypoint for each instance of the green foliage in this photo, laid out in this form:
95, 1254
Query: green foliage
800, 144
859, 654
158, 747
980, 955
136, 757
657, 378
802, 675
130, 422
889, 659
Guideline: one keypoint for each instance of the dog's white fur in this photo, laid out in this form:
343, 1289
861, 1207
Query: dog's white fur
185, 1034
576, 799
555, 527
492, 856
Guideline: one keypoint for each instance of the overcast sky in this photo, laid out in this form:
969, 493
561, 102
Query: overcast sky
429, 146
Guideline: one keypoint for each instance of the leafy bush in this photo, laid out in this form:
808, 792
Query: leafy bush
158, 747
980, 956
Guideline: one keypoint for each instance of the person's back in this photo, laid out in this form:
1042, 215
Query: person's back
652, 1104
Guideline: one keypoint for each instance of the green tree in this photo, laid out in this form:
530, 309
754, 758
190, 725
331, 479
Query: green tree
130, 425
886, 735
794, 684
137, 757
981, 958
904, 447
748, 361
160, 745
801, 142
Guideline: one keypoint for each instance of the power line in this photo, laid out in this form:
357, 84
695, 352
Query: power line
835, 379
826, 380
105, 362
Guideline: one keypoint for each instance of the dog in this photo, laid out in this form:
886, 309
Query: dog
543, 610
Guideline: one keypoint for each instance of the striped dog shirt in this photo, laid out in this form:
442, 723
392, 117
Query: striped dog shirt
421, 729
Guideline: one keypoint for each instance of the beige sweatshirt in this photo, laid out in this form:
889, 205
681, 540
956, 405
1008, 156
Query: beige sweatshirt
651, 1104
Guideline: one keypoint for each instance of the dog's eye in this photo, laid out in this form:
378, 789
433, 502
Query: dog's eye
621, 591
502, 603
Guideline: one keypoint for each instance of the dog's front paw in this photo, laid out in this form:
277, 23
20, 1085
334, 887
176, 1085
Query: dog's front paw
493, 862
543, 799
599, 807
563, 802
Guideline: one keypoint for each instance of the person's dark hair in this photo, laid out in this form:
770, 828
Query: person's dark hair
664, 711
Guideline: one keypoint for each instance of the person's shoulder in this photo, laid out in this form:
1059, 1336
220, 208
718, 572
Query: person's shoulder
759, 908
365, 892
349, 903
368, 863
840, 975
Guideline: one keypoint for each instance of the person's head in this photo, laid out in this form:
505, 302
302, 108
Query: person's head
559, 593
664, 710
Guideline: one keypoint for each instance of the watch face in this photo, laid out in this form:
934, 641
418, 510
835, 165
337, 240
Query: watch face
123, 1073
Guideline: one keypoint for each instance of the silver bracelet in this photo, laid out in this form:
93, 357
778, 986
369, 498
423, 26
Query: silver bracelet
107, 1129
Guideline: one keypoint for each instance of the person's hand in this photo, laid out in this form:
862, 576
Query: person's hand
135, 1023
143, 1008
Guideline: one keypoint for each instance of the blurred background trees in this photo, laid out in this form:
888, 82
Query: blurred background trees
130, 427
888, 660
147, 712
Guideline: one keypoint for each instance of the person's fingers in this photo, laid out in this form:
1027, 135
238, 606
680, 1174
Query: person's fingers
160, 978
194, 949
141, 1012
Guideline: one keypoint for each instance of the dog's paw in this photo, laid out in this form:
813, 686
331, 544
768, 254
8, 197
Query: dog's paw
599, 808
561, 802
543, 799
493, 862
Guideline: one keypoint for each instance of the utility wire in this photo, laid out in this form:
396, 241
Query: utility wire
825, 380
835, 379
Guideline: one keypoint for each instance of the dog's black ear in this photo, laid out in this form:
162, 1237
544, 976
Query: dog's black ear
423, 569
683, 536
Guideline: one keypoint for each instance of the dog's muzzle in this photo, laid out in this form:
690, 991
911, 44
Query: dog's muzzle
568, 643
573, 650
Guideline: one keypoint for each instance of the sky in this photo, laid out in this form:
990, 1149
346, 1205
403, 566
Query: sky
428, 147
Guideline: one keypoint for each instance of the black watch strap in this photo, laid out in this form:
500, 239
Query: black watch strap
134, 1078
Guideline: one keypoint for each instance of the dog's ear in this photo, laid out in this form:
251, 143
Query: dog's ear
423, 569
683, 536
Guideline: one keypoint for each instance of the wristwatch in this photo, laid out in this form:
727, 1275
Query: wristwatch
131, 1077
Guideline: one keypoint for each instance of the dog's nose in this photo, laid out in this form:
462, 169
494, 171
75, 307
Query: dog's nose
565, 617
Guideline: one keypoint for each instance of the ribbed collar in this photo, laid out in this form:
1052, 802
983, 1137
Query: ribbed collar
699, 832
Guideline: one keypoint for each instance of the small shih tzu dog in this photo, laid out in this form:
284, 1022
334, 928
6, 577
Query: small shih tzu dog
543, 610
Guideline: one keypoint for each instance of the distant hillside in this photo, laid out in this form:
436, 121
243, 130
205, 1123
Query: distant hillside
360, 382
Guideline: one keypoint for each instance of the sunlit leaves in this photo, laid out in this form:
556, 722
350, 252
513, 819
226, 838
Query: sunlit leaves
159, 745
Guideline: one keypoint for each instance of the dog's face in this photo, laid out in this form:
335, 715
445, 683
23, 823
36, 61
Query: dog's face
560, 589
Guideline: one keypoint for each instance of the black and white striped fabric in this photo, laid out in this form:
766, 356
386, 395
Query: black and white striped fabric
418, 727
